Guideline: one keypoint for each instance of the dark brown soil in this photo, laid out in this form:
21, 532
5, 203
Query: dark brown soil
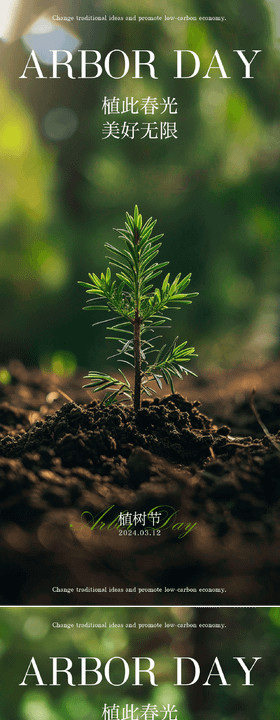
59, 459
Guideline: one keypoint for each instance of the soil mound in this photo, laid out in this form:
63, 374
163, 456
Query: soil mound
66, 476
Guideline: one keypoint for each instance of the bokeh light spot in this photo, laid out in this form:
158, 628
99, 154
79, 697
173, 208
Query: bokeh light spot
114, 644
240, 291
51, 266
35, 628
63, 363
5, 376
45, 34
34, 708
264, 224
60, 123
274, 615
77, 706
54, 271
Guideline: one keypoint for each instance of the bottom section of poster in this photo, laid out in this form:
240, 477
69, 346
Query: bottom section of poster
171, 663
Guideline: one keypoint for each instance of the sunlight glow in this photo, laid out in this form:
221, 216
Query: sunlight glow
8, 14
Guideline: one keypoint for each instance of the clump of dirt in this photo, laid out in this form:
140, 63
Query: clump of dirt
84, 461
171, 427
91, 455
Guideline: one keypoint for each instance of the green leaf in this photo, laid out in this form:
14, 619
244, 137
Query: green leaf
154, 239
123, 253
95, 307
148, 249
165, 283
125, 279
103, 321
121, 266
126, 362
187, 371
111, 398
129, 221
84, 284
158, 380
125, 378
146, 391
94, 279
97, 387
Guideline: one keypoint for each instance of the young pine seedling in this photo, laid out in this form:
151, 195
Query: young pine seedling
132, 299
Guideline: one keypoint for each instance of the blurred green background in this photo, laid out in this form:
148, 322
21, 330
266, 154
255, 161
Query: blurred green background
249, 632
214, 190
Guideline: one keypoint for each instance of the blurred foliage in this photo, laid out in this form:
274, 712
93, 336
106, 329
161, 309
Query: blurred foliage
214, 190
249, 632
61, 363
